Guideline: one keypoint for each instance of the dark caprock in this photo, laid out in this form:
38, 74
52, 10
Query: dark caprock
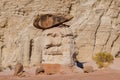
45, 21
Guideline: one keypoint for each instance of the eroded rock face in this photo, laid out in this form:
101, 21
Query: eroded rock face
45, 21
57, 46
96, 26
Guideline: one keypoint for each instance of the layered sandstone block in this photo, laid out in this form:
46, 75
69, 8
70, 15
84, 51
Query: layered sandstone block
57, 46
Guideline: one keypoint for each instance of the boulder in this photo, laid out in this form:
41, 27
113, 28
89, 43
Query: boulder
88, 69
18, 69
39, 70
45, 21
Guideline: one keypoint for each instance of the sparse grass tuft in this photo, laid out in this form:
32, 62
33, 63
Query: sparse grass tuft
103, 59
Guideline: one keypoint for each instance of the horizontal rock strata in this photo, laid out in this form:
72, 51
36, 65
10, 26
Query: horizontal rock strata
95, 27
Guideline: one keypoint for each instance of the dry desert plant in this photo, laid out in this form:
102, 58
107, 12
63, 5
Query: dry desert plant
103, 59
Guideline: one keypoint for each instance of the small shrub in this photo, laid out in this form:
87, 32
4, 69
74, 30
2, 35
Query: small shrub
100, 64
102, 59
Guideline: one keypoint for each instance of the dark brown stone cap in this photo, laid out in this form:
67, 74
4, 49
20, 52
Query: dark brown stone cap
45, 21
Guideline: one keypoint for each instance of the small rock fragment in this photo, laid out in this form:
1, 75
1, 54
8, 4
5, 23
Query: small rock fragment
18, 69
39, 70
88, 69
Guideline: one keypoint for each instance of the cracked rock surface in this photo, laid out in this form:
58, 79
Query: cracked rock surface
95, 27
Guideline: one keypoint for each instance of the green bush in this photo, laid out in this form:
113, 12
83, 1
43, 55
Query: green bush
103, 59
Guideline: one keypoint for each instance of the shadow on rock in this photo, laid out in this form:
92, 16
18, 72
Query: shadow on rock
79, 64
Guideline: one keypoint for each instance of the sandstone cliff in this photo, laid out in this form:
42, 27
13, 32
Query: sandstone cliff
95, 27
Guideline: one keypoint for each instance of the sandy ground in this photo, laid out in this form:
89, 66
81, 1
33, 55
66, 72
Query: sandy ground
107, 74
111, 73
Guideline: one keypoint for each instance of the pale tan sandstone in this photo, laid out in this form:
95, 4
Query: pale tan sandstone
57, 46
95, 26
